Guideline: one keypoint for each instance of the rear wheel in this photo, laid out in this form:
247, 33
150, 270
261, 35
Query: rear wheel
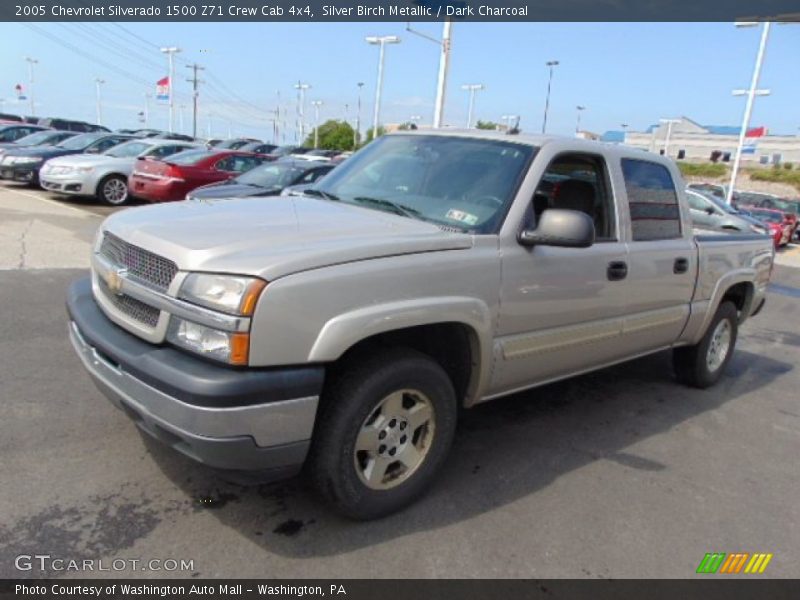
702, 365
113, 190
384, 430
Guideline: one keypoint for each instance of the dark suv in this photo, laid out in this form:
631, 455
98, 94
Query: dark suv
67, 125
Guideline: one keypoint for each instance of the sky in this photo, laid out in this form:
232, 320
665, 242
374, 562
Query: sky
633, 73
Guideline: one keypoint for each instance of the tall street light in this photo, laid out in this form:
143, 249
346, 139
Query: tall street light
550, 64
316, 104
471, 88
171, 51
357, 130
508, 120
580, 109
380, 41
445, 47
98, 82
301, 107
669, 123
748, 109
31, 62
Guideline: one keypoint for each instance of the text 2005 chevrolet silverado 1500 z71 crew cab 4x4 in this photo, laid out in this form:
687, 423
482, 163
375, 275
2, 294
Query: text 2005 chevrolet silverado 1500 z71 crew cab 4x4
342, 329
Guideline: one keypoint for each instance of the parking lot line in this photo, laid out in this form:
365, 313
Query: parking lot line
44, 199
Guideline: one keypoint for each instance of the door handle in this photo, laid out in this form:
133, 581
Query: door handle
681, 265
617, 270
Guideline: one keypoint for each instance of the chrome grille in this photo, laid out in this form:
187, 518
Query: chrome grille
149, 268
135, 309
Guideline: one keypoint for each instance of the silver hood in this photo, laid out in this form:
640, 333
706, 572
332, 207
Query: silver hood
273, 237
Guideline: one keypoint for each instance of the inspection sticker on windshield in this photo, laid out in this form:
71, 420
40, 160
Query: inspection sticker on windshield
462, 217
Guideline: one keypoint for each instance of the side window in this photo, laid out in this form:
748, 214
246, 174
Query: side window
105, 144
161, 151
225, 164
312, 176
652, 201
240, 164
578, 182
696, 202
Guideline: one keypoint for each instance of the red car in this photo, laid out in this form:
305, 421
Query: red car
174, 177
780, 227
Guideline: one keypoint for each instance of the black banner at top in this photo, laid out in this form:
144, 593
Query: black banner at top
398, 10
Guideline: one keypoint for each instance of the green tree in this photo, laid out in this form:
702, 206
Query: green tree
486, 125
333, 135
368, 137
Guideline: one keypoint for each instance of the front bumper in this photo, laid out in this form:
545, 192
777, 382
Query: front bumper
68, 183
233, 419
21, 173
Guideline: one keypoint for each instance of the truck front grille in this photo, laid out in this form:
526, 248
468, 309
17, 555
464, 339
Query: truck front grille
131, 307
151, 269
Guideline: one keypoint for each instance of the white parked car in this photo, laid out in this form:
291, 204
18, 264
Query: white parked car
105, 175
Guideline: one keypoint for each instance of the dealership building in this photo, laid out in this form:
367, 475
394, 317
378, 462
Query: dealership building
689, 140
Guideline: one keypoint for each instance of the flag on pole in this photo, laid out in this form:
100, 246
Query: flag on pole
751, 139
20, 92
756, 132
162, 89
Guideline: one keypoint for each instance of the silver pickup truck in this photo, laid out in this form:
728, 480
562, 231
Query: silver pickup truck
341, 330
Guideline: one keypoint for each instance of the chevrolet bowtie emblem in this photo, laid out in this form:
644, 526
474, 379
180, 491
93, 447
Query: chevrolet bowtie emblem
114, 280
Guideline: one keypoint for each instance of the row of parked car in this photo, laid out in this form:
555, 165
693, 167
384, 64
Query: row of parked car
748, 212
154, 166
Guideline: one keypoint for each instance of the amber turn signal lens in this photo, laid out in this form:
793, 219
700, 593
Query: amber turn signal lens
239, 348
251, 297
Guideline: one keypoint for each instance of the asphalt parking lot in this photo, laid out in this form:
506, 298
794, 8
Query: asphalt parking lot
620, 473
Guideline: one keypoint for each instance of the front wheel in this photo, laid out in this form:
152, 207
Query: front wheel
383, 432
702, 365
113, 190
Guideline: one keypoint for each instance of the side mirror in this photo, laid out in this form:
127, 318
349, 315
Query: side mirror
711, 211
560, 227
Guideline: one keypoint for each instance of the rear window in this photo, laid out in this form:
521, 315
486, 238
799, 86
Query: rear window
190, 157
652, 201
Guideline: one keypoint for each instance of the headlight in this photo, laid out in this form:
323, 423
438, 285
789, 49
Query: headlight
84, 169
28, 159
231, 348
226, 293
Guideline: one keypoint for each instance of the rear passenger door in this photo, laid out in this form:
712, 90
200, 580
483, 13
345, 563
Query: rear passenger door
662, 258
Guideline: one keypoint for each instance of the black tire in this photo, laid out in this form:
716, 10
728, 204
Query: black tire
348, 402
103, 194
691, 363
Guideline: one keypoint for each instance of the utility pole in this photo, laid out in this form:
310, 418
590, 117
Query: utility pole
580, 109
748, 109
550, 64
471, 88
441, 81
301, 108
98, 82
146, 108
316, 104
669, 123
31, 62
194, 81
357, 131
171, 51
380, 41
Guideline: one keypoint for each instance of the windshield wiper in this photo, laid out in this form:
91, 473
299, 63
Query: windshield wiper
321, 194
399, 209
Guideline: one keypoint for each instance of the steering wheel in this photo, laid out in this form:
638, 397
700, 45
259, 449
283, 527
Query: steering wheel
487, 200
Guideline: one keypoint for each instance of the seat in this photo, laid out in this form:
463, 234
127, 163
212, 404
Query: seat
575, 194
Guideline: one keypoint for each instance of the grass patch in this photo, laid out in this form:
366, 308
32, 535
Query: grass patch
777, 176
711, 170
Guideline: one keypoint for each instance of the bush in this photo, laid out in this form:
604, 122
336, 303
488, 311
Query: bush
790, 177
711, 170
788, 166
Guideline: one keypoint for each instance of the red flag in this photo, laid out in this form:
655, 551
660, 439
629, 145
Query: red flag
162, 89
756, 132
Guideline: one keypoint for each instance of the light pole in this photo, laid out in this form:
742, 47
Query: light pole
748, 109
550, 64
445, 47
580, 109
180, 117
471, 88
380, 41
316, 104
669, 123
98, 82
31, 62
357, 130
171, 51
508, 119
624, 131
301, 107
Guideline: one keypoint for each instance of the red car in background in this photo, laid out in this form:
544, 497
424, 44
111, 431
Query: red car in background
174, 177
780, 227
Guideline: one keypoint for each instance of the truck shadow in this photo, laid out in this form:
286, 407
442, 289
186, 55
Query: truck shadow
504, 451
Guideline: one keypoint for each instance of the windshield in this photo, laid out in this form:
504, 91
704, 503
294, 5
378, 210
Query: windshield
459, 182
34, 139
190, 157
269, 176
128, 149
767, 215
79, 142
